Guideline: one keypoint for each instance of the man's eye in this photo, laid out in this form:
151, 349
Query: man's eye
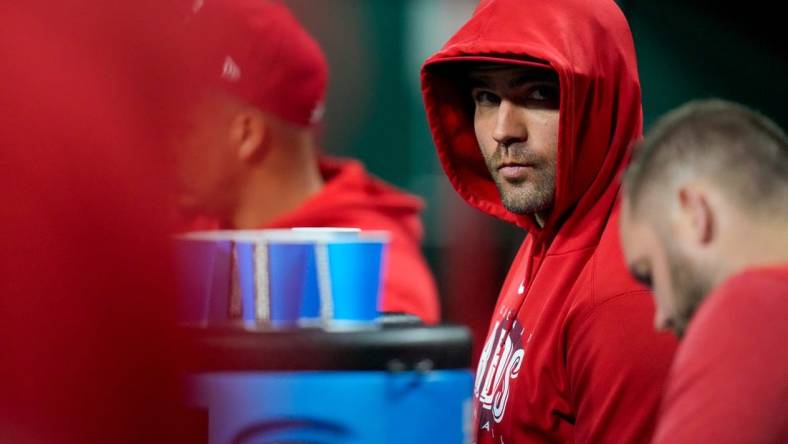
543, 93
485, 98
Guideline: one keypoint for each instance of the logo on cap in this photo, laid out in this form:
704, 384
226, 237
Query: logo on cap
230, 71
317, 113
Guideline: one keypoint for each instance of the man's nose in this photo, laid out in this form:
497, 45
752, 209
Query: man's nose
510, 126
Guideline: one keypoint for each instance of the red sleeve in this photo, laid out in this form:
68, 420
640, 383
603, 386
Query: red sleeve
617, 367
408, 286
730, 380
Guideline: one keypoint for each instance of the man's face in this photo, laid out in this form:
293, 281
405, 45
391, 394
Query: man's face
516, 124
206, 164
658, 261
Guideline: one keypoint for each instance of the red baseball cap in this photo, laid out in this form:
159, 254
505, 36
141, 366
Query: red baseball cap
257, 50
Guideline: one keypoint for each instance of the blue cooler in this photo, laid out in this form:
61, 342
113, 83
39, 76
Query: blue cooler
398, 384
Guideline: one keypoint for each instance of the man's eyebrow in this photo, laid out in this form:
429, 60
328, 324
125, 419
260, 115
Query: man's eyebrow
477, 79
537, 75
484, 78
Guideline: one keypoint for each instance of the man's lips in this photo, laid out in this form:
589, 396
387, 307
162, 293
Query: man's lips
514, 171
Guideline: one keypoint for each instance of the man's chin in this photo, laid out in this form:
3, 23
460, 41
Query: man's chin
523, 198
526, 206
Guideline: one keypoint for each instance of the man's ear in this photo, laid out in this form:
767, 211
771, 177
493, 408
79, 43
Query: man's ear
248, 133
697, 214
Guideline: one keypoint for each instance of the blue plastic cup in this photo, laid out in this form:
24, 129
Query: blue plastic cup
288, 267
203, 268
352, 271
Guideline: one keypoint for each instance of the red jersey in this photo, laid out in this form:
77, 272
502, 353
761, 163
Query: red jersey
729, 383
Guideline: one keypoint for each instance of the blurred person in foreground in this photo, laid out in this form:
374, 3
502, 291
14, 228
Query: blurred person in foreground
534, 107
86, 296
249, 157
705, 224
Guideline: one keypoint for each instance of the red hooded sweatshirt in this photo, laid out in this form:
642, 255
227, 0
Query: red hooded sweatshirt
351, 197
571, 354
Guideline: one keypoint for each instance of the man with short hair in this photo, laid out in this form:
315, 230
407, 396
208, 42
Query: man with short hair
534, 106
705, 224
248, 156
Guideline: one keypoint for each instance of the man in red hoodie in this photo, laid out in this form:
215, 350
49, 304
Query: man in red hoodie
534, 106
704, 222
249, 157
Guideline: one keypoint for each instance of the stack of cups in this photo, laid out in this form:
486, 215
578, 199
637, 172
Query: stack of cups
328, 277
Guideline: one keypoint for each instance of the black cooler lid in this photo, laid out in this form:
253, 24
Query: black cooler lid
393, 347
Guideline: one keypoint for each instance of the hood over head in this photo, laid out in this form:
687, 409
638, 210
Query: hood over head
589, 45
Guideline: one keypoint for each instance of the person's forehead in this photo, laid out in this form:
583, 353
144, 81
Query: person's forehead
493, 72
